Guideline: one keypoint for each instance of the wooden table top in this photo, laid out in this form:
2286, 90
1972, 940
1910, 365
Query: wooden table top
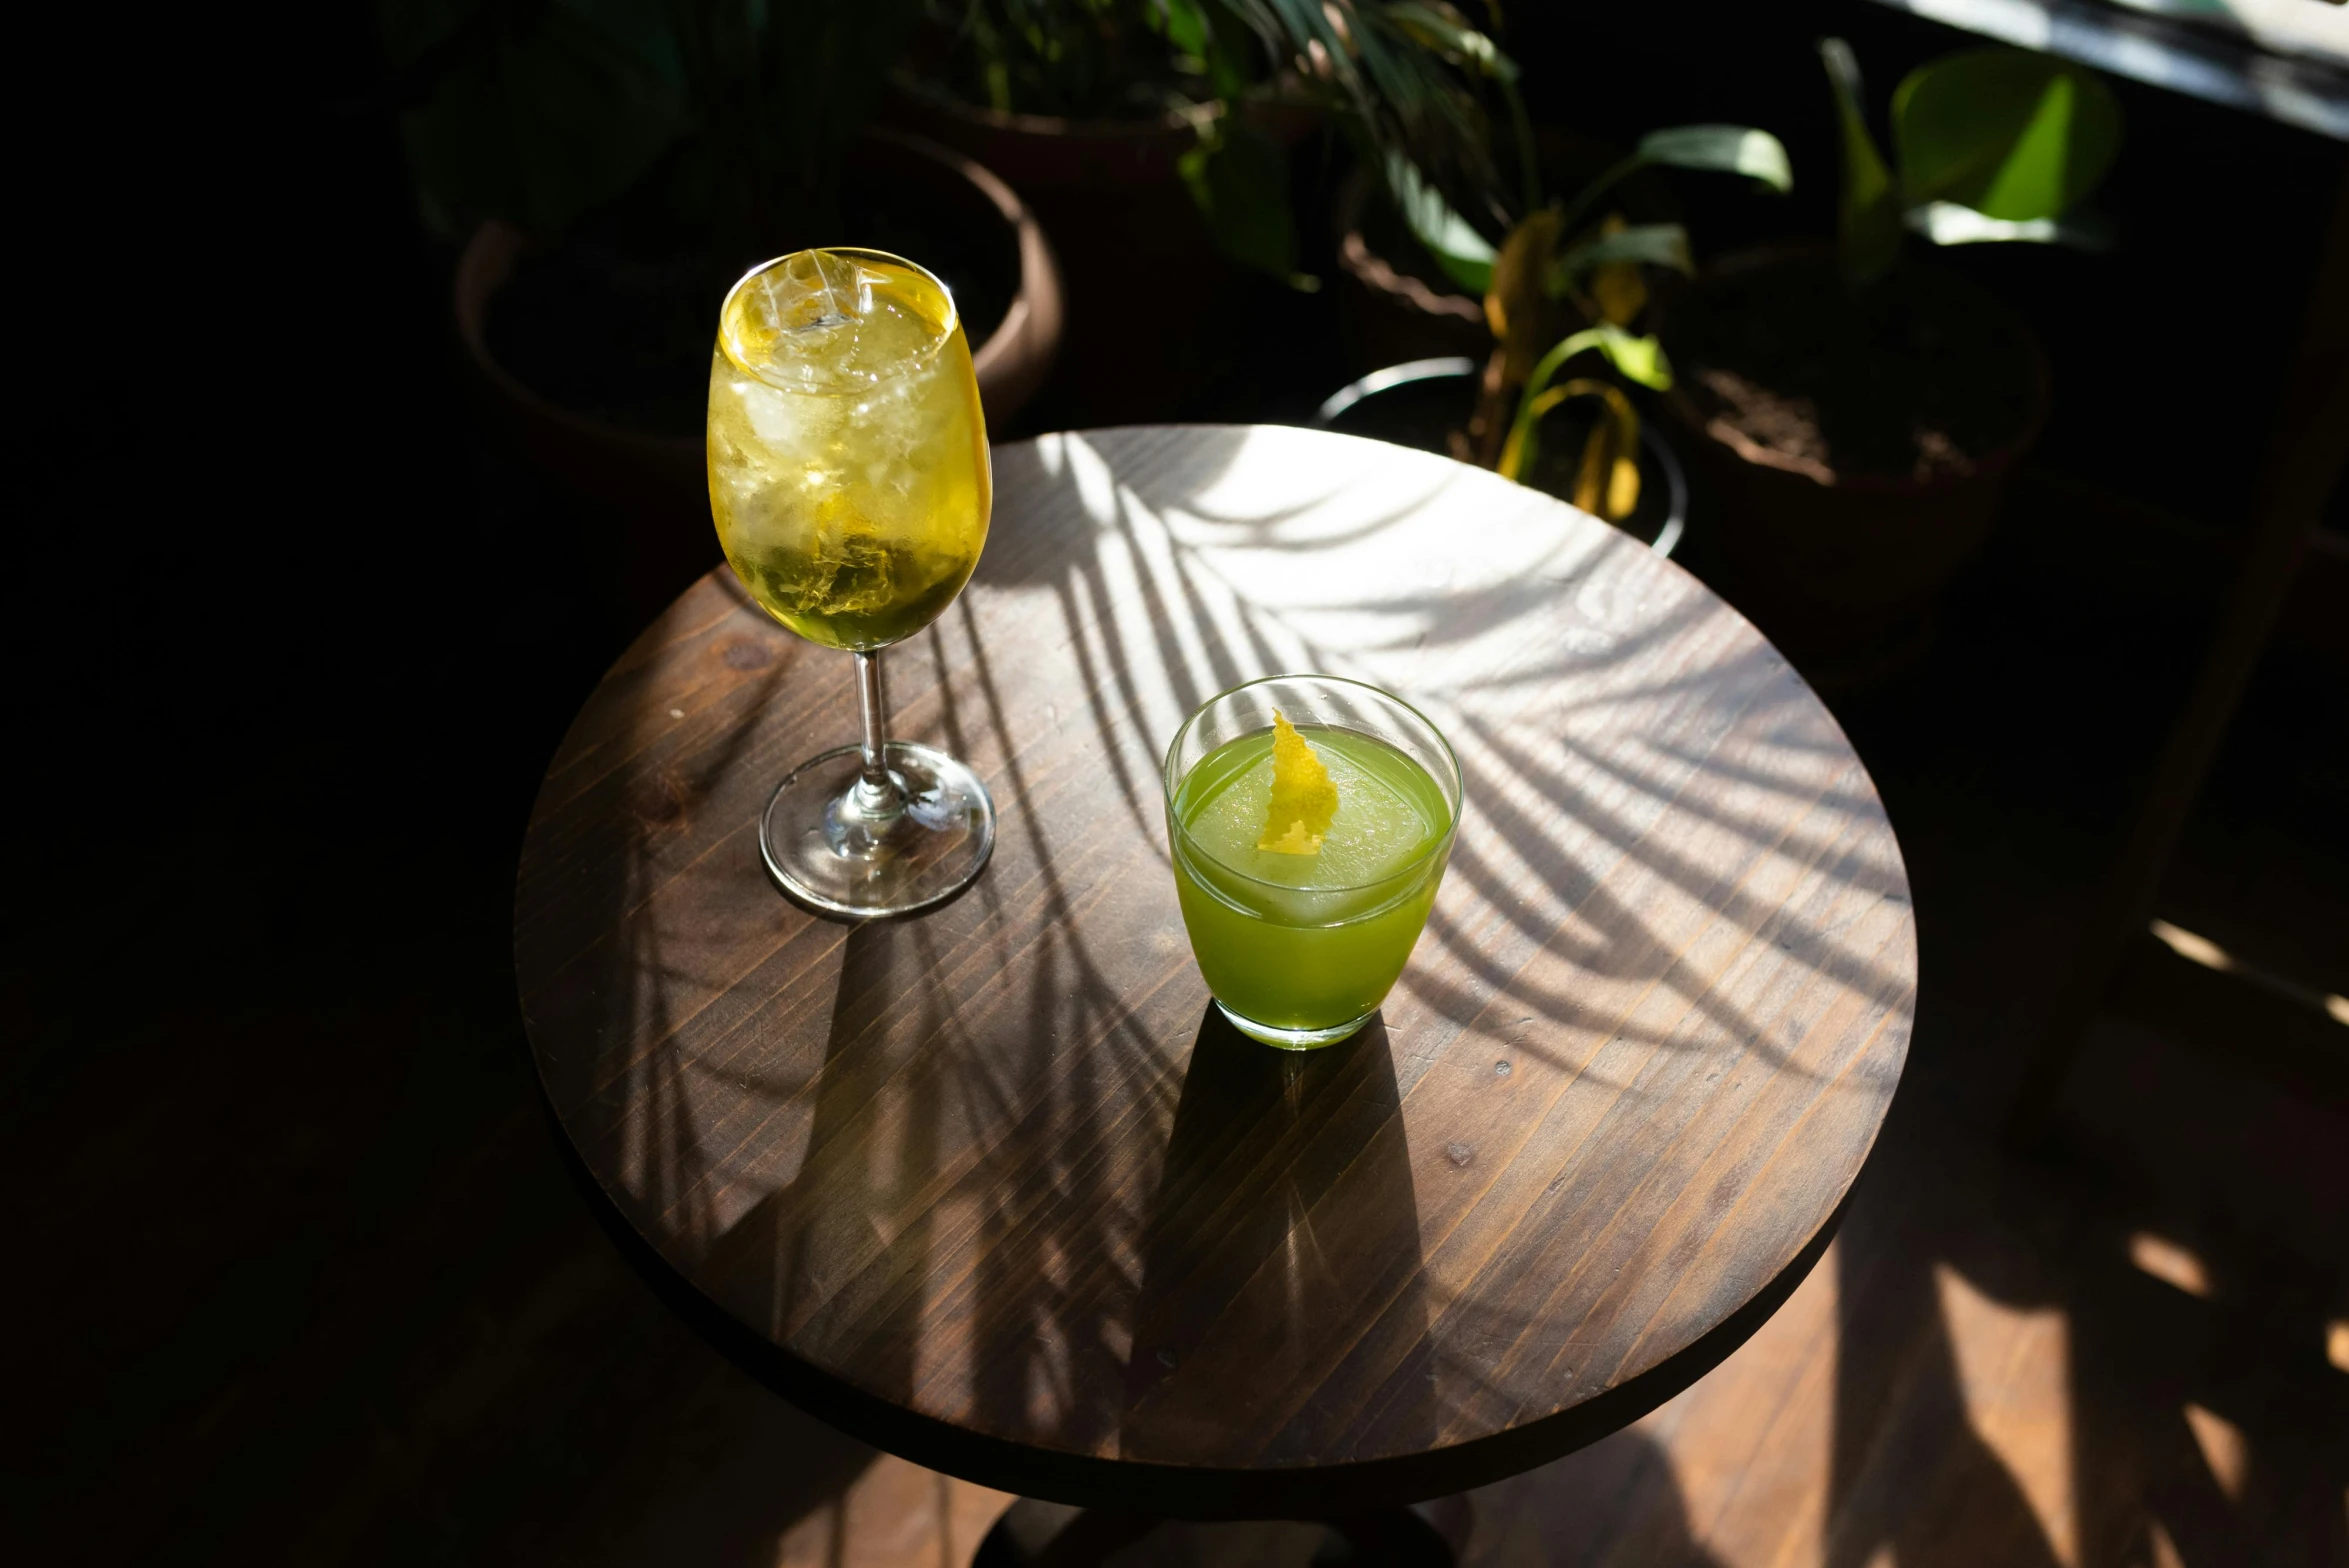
994, 1187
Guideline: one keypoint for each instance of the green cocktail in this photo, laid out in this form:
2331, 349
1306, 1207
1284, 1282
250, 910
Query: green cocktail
1300, 943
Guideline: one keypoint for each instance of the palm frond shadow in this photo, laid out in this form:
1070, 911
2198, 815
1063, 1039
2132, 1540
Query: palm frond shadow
885, 1137
667, 1168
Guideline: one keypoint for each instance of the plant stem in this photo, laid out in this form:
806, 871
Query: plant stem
1529, 171
1579, 208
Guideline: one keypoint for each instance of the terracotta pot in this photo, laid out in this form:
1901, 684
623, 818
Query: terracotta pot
1041, 153
1157, 313
656, 482
1841, 570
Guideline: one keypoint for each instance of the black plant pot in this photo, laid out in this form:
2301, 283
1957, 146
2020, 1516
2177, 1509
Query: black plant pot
1421, 403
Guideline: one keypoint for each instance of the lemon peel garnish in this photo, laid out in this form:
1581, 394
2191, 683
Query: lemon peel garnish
1303, 796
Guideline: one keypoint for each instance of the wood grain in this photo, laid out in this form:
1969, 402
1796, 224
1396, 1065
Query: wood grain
994, 1188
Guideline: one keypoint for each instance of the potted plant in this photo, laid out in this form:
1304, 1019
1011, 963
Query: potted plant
1154, 136
1568, 282
611, 166
1396, 301
1856, 410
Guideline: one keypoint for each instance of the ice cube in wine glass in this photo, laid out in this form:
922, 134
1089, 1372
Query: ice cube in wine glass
825, 322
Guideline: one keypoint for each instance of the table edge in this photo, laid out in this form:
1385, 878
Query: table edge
1197, 1492
1185, 1491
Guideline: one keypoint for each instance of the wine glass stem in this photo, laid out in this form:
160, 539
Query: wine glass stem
877, 792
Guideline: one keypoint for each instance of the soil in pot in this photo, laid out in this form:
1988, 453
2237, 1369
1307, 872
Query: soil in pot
1918, 376
1422, 404
1850, 446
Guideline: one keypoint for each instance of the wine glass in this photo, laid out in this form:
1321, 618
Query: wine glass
850, 482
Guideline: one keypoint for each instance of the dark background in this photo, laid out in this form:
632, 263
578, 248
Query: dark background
290, 639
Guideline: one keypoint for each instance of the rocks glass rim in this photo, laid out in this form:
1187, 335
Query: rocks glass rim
1456, 795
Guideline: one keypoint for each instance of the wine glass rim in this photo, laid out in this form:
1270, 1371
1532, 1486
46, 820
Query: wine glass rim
947, 328
1176, 828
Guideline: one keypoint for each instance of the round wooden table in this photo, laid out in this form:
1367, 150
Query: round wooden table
995, 1189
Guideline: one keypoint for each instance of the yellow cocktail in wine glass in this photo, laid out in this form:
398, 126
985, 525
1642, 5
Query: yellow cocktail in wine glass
850, 483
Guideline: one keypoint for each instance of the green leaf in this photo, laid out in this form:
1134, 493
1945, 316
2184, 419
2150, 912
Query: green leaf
1464, 254
1226, 52
1947, 223
1239, 179
1387, 88
1662, 244
1606, 483
1441, 30
1639, 358
2011, 134
1867, 212
1185, 27
1451, 36
1736, 149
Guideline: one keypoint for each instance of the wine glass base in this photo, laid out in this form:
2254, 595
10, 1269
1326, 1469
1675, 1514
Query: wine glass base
823, 854
1295, 1039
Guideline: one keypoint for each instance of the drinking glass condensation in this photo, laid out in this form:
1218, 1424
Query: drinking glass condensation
850, 483
1300, 950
